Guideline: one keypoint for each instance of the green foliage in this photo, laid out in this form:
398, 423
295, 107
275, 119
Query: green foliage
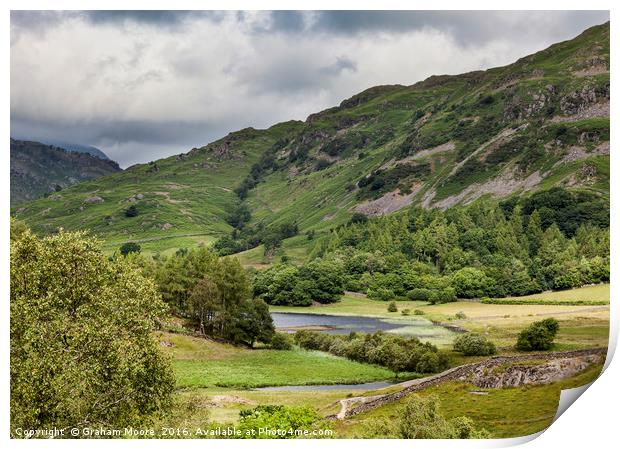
471, 282
474, 344
381, 181
281, 342
442, 296
483, 250
381, 294
392, 307
419, 294
129, 247
281, 422
17, 229
399, 354
283, 284
81, 344
422, 418
131, 211
538, 336
460, 315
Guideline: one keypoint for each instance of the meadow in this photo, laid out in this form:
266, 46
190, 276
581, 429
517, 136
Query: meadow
202, 363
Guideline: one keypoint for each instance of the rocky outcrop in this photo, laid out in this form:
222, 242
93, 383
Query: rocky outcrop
551, 370
530, 374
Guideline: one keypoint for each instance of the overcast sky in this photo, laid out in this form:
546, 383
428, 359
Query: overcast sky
144, 85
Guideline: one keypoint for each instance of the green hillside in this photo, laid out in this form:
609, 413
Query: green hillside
535, 124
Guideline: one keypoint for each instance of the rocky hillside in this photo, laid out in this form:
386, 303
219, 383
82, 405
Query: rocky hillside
76, 147
540, 122
38, 169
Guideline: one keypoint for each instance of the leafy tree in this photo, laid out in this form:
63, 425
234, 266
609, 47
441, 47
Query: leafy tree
17, 229
471, 283
441, 296
204, 304
324, 279
129, 247
250, 322
82, 351
473, 344
538, 336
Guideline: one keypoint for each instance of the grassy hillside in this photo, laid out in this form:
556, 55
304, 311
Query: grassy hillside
540, 122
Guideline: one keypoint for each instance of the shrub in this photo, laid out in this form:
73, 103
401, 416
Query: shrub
381, 294
460, 315
442, 296
422, 417
280, 342
399, 354
284, 421
129, 247
418, 312
419, 294
473, 344
538, 336
392, 307
131, 211
406, 312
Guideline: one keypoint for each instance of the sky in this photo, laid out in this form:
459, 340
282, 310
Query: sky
142, 85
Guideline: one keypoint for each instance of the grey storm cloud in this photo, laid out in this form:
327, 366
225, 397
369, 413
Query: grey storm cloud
147, 84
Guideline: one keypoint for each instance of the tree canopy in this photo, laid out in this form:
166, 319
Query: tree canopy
82, 352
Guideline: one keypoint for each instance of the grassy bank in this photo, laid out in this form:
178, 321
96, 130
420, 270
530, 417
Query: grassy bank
200, 363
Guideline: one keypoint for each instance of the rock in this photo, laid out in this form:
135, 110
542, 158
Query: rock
533, 374
94, 199
166, 226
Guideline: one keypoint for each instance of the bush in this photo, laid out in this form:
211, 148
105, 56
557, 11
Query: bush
129, 247
460, 315
381, 294
442, 296
392, 307
406, 312
473, 344
422, 417
131, 211
280, 342
284, 421
418, 312
419, 294
399, 354
538, 336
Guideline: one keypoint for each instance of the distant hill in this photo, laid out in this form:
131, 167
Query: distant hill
38, 169
539, 123
76, 147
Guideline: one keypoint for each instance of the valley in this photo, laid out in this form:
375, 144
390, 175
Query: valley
436, 249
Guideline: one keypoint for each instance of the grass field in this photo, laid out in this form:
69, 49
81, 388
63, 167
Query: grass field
590, 295
199, 363
506, 412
